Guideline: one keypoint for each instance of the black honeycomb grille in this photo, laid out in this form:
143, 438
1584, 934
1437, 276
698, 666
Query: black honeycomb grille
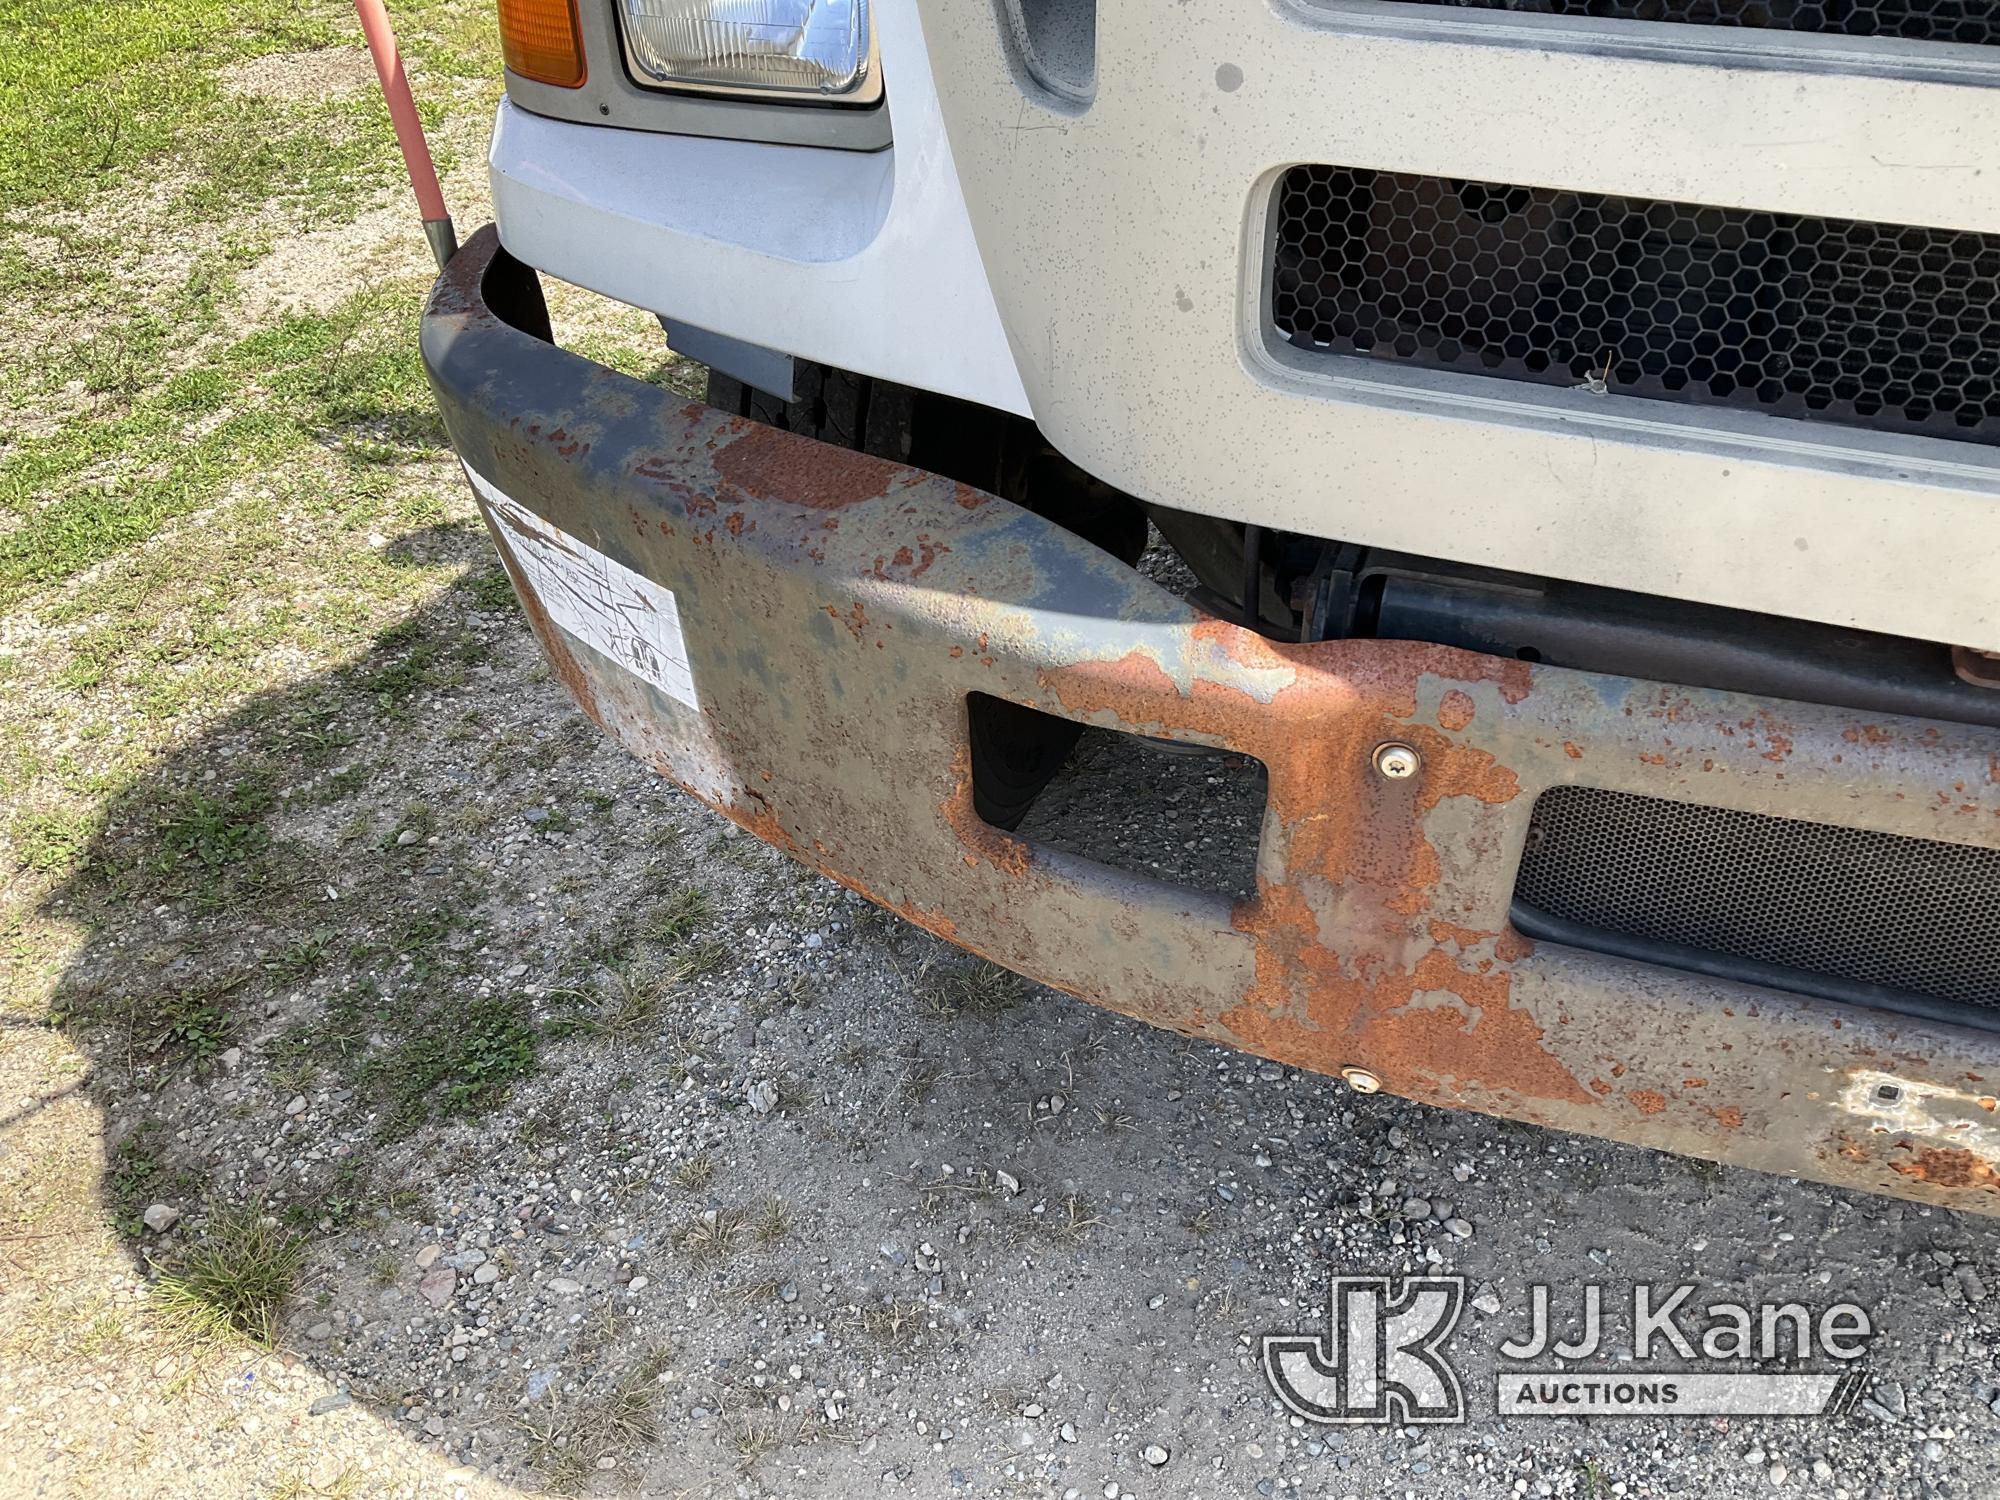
1909, 924
1975, 21
1884, 326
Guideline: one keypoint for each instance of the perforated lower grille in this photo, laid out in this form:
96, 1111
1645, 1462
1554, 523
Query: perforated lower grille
1884, 326
1840, 911
1919, 20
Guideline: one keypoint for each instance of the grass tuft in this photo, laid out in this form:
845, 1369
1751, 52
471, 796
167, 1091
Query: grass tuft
678, 917
976, 988
710, 1237
233, 1284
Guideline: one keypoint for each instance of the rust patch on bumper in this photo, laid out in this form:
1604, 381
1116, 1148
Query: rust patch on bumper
839, 609
1944, 1167
762, 464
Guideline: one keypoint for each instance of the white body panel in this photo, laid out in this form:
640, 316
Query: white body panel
1122, 249
863, 260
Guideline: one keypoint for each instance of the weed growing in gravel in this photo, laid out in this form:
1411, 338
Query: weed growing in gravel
565, 1442
1112, 1118
678, 917
191, 1023
216, 831
921, 1078
317, 739
752, 1435
233, 1283
333, 1201
700, 961
627, 1414
978, 988
300, 958
710, 1236
775, 1224
694, 1174
50, 1324
761, 1289
543, 1125
50, 839
897, 1325
1069, 1225
556, 1448
138, 1167
339, 785
977, 1182
462, 1061
489, 588
424, 930
417, 821
343, 1486
626, 1008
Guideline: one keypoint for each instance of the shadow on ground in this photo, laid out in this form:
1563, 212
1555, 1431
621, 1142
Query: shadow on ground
549, 1132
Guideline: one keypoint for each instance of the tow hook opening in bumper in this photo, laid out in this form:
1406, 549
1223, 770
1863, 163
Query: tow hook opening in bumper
1074, 787
792, 632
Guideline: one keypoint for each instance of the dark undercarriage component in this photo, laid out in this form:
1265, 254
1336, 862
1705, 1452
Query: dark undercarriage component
1394, 597
1338, 591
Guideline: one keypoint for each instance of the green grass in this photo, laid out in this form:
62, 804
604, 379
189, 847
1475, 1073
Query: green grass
216, 830
192, 1024
301, 958
972, 988
137, 1170
350, 380
678, 917
238, 551
233, 1284
52, 839
98, 92
457, 1060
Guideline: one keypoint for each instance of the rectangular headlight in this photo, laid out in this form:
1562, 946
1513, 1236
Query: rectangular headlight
809, 49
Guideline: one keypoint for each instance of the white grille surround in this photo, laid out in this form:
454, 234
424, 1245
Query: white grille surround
1128, 241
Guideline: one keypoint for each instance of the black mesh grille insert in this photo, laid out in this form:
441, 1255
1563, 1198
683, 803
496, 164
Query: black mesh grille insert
1920, 20
1873, 917
1872, 325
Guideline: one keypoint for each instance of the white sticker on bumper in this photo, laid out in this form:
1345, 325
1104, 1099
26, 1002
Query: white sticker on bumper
621, 614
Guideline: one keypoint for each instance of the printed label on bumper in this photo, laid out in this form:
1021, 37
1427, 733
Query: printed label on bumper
624, 615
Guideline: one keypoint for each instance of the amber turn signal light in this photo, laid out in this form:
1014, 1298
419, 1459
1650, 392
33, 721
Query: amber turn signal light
539, 40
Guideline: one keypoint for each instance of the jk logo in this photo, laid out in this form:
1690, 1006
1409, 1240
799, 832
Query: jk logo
1378, 1360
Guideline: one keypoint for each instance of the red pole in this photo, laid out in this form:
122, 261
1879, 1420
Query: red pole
409, 129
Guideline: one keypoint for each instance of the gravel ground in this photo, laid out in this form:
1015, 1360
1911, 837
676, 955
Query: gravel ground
823, 1207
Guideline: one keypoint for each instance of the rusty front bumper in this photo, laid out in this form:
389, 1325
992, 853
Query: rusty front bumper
835, 610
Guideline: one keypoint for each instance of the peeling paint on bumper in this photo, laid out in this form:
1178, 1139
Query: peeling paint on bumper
837, 609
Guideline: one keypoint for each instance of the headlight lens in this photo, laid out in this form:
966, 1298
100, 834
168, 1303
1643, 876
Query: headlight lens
804, 48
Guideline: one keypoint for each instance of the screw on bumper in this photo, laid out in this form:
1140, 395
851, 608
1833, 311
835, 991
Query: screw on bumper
834, 610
